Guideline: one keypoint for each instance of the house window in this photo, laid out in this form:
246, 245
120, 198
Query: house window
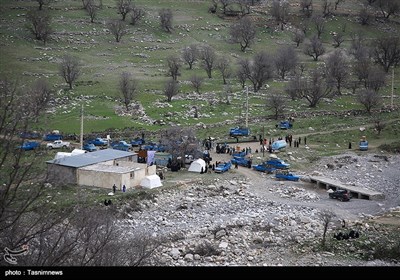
132, 175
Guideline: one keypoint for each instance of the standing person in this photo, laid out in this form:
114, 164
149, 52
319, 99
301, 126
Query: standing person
305, 140
123, 188
114, 188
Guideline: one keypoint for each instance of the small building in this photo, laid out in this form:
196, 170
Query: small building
102, 168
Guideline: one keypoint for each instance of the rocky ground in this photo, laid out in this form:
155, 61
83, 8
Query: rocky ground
247, 218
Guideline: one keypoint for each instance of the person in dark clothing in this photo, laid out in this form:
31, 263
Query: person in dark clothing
114, 188
349, 145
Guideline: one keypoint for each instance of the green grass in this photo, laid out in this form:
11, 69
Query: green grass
143, 52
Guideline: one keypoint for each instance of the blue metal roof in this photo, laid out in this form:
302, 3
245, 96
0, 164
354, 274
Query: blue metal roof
91, 158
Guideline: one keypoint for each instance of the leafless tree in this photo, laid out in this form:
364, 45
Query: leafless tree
40, 95
387, 7
369, 98
174, 65
224, 68
379, 126
208, 57
375, 79
166, 18
196, 82
337, 2
312, 88
225, 95
359, 47
298, 37
92, 8
364, 15
136, 14
43, 3
314, 48
337, 70
326, 218
243, 32
285, 60
117, 28
258, 70
38, 23
275, 102
280, 11
69, 69
190, 55
245, 5
338, 39
386, 51
19, 173
171, 89
128, 87
225, 4
326, 8
306, 7
241, 72
180, 142
319, 23
124, 7
362, 68
295, 87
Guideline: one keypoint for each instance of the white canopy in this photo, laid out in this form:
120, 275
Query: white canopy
151, 181
197, 165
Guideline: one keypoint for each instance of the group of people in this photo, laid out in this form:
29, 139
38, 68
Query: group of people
114, 187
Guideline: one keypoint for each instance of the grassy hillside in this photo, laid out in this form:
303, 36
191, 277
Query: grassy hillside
143, 51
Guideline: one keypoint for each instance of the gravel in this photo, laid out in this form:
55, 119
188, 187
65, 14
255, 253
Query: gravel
247, 218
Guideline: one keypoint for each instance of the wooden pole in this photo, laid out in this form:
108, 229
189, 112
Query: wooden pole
81, 138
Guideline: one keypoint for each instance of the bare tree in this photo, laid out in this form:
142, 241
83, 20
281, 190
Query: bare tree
375, 78
275, 102
92, 8
359, 47
224, 68
314, 48
128, 88
69, 69
117, 28
190, 55
225, 94
337, 70
180, 142
39, 24
208, 57
338, 39
326, 218
386, 51
258, 70
196, 82
241, 72
19, 173
171, 89
379, 126
387, 7
306, 7
326, 8
298, 37
313, 88
124, 7
166, 18
319, 23
136, 14
337, 2
364, 15
174, 65
43, 3
243, 32
369, 99
285, 60
280, 11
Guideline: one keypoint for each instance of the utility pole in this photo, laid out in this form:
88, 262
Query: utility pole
262, 142
81, 138
247, 107
391, 99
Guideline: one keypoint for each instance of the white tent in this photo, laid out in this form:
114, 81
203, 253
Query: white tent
196, 165
151, 181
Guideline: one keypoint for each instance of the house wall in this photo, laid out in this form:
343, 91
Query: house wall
61, 175
105, 179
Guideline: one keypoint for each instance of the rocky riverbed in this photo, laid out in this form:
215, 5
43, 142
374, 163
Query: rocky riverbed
246, 218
